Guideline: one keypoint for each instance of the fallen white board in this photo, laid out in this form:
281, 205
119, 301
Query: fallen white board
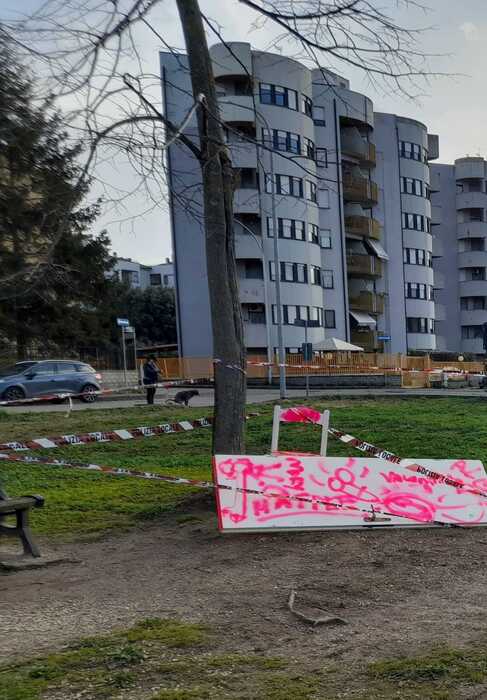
389, 493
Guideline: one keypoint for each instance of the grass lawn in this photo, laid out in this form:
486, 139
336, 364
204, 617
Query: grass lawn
81, 504
173, 660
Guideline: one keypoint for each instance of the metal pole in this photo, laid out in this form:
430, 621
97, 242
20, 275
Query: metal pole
307, 360
277, 271
135, 354
124, 356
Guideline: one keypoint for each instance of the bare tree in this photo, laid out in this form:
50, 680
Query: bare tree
87, 55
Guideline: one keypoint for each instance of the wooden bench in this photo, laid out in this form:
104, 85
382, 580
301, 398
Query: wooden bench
19, 507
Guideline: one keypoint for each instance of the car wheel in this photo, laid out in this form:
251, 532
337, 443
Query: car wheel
14, 393
89, 393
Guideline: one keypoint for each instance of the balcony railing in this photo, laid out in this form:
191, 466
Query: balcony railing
364, 266
367, 301
362, 226
364, 339
359, 189
365, 152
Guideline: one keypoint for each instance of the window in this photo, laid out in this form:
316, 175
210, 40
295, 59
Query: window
155, 280
290, 272
45, 368
307, 105
313, 233
319, 115
477, 243
471, 332
415, 290
135, 277
472, 303
478, 273
253, 270
308, 148
266, 93
315, 273
278, 95
413, 151
322, 157
327, 279
291, 314
416, 222
294, 143
417, 256
410, 185
288, 228
166, 280
420, 325
267, 137
67, 367
286, 184
330, 318
311, 191
324, 198
325, 238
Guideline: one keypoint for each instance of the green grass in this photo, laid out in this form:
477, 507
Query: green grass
174, 660
81, 504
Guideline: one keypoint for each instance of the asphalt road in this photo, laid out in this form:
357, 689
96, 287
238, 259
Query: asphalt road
253, 396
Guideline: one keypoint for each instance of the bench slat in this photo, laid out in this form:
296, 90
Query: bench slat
12, 504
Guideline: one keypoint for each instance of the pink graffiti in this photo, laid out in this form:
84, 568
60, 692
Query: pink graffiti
269, 489
300, 414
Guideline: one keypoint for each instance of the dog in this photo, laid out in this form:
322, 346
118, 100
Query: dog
184, 397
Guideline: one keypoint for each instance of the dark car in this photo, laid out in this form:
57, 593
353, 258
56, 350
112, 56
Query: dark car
29, 379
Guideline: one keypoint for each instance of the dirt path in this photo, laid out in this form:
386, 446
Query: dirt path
400, 591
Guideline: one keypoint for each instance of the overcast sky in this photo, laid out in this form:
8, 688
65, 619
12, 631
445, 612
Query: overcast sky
453, 107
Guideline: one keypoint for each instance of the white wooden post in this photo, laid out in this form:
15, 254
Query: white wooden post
325, 424
275, 429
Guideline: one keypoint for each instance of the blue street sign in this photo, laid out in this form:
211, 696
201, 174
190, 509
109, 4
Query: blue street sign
123, 322
383, 337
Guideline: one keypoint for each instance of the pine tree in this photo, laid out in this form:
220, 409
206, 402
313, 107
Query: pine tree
53, 275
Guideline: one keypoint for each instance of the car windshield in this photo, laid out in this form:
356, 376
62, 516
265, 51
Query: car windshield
15, 369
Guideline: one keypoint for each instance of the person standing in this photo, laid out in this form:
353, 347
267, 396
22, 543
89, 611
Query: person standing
151, 375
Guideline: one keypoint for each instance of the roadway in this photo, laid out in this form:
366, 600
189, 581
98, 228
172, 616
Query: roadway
206, 398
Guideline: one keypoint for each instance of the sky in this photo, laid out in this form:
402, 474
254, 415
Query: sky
453, 106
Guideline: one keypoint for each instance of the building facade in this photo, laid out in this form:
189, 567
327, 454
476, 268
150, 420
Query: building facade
141, 276
460, 208
345, 191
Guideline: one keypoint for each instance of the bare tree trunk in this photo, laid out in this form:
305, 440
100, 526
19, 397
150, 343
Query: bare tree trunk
226, 316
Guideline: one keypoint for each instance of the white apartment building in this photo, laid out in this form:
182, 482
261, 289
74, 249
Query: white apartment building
351, 190
142, 276
460, 209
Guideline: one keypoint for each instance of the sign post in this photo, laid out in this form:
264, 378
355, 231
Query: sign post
307, 348
124, 323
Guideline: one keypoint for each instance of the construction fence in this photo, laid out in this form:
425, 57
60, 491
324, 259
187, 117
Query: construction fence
415, 372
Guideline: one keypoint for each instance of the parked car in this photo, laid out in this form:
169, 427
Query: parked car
28, 379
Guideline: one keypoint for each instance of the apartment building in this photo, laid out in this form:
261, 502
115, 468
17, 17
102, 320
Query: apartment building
459, 210
142, 276
345, 190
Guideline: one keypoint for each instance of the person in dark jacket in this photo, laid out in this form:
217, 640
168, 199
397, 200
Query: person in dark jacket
151, 375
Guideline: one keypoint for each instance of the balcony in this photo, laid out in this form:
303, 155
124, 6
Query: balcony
362, 226
367, 301
251, 291
246, 201
364, 152
237, 109
365, 339
472, 200
472, 229
364, 266
359, 189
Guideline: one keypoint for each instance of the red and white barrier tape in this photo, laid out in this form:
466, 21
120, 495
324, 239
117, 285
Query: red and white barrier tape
102, 392
372, 514
107, 436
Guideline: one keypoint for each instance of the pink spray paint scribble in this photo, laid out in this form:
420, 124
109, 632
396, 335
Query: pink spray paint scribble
328, 482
